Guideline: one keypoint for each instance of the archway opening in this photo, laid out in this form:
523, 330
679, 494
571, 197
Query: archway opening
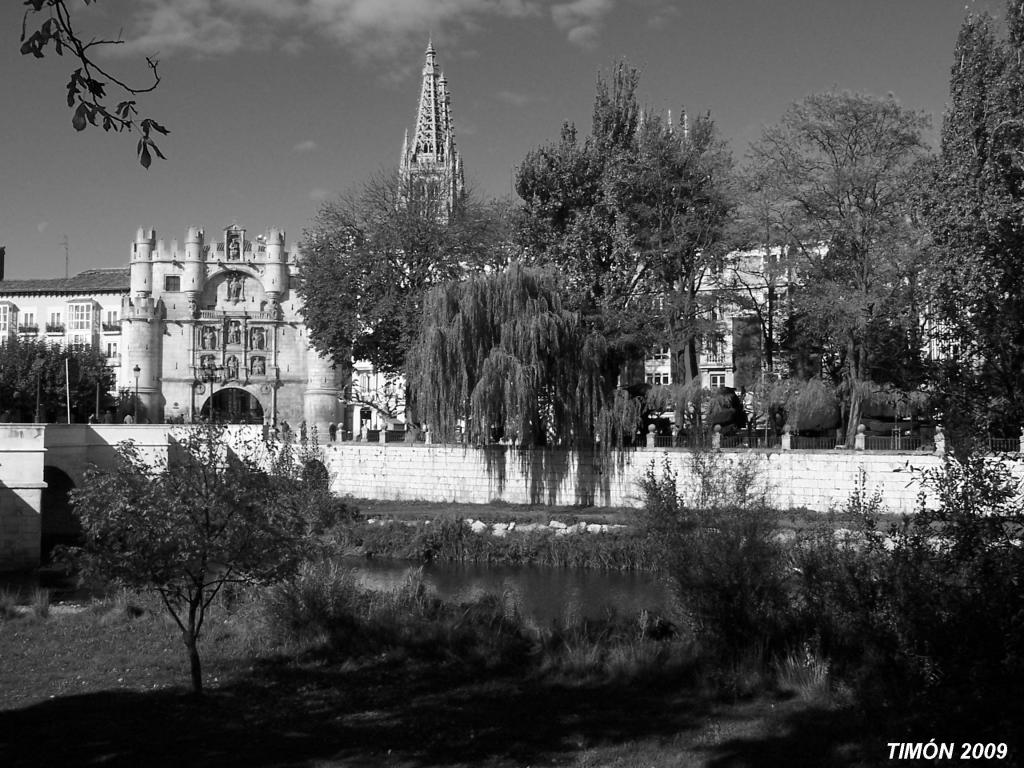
232, 405
59, 524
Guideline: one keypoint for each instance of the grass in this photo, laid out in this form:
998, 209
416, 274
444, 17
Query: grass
416, 683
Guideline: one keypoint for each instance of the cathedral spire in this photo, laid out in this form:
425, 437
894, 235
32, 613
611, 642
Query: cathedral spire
430, 164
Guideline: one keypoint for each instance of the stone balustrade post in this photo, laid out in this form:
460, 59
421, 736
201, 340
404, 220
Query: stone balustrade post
940, 441
650, 435
426, 434
1020, 447
860, 441
716, 438
383, 436
787, 438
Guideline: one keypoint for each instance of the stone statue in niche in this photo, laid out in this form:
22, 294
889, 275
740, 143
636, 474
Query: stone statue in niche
259, 338
258, 366
234, 289
231, 368
235, 332
234, 246
209, 338
207, 366
193, 307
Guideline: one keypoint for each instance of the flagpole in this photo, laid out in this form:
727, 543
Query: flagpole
67, 387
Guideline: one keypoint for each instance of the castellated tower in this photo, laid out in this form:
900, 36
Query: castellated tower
216, 332
141, 328
431, 166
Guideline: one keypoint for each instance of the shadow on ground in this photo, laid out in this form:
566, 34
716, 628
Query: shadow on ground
392, 715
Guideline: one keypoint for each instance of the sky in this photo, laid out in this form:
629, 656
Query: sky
275, 106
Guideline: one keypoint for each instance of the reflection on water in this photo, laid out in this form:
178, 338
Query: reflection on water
545, 594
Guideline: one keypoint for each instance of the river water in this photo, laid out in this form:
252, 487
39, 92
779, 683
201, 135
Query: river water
542, 593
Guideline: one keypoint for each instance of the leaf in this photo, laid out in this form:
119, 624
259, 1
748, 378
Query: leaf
78, 121
144, 157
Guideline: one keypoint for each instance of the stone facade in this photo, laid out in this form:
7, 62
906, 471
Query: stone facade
213, 321
220, 323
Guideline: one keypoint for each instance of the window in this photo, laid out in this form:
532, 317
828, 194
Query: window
28, 319
56, 323
172, 283
717, 380
112, 317
80, 316
7, 319
111, 349
661, 353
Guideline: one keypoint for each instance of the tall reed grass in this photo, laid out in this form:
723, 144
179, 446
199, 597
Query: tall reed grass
324, 610
453, 541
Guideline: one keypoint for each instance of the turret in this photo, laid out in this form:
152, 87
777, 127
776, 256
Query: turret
320, 404
142, 263
194, 274
275, 278
141, 330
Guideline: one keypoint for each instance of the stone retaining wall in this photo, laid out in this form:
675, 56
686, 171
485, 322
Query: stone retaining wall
813, 479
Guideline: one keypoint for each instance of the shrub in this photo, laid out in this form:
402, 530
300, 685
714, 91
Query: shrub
8, 603
726, 563
324, 608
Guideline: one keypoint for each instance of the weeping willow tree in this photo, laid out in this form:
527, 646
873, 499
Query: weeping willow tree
499, 354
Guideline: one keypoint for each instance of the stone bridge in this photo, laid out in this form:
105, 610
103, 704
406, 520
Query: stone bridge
40, 464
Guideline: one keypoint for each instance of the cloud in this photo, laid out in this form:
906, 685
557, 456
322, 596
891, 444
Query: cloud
305, 146
581, 20
372, 30
165, 28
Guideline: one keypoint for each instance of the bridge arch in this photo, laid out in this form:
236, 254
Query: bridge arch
58, 522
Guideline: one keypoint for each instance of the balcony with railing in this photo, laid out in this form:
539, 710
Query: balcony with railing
112, 327
28, 328
55, 328
219, 314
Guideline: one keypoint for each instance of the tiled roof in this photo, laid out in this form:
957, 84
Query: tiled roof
91, 281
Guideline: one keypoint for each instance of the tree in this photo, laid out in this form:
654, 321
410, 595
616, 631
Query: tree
633, 218
369, 257
500, 354
674, 199
840, 168
973, 203
31, 366
89, 84
206, 516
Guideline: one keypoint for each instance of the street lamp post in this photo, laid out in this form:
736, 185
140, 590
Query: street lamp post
40, 360
136, 370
